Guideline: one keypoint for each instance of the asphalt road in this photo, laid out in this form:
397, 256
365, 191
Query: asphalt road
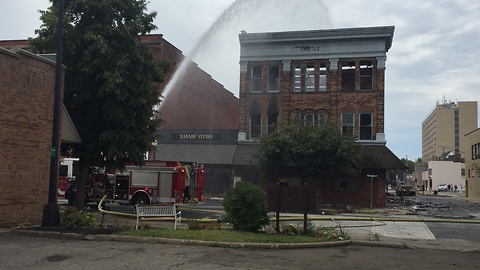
19, 252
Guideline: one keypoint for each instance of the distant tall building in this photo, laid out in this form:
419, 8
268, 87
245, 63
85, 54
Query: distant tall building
445, 128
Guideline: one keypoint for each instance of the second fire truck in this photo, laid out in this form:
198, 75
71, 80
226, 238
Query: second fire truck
157, 182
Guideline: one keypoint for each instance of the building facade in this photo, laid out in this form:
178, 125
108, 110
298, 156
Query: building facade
318, 76
26, 123
445, 128
472, 165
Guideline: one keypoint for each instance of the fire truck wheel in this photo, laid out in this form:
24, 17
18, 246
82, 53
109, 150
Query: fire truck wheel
140, 199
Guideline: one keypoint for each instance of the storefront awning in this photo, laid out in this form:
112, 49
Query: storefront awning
200, 153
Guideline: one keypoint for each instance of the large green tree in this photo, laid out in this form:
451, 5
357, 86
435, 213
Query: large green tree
111, 80
310, 151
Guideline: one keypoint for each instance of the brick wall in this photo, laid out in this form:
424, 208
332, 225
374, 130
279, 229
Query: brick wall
334, 100
26, 119
196, 101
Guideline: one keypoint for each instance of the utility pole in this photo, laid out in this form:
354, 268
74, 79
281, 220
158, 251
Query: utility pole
51, 214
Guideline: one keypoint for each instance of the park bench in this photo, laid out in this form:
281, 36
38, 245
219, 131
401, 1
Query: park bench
152, 212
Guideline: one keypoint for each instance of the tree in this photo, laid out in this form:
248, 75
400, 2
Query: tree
410, 165
111, 80
310, 151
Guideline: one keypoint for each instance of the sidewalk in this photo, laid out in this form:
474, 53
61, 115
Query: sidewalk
381, 227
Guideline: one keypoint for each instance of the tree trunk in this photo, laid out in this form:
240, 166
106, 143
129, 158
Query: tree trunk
82, 180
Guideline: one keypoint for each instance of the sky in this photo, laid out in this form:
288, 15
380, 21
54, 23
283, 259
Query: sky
435, 54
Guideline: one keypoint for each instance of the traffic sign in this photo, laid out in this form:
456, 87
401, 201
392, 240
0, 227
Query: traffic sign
372, 175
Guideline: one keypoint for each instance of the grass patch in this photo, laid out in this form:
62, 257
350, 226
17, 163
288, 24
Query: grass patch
232, 236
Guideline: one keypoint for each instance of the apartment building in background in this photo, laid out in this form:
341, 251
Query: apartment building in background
445, 128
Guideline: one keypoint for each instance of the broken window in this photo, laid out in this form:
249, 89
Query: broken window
272, 123
366, 76
255, 126
256, 79
348, 76
297, 80
347, 123
365, 126
273, 79
310, 78
322, 79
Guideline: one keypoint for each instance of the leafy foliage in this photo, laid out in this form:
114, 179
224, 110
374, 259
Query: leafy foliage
246, 207
71, 218
111, 80
311, 151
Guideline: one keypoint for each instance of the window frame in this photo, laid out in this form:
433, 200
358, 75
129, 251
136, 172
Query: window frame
254, 126
256, 81
347, 125
322, 78
362, 128
309, 78
276, 82
366, 75
271, 127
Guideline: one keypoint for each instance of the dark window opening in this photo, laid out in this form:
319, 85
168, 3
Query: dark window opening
255, 125
272, 123
348, 76
366, 76
273, 78
365, 126
256, 79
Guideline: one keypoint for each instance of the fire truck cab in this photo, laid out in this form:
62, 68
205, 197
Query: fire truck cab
67, 171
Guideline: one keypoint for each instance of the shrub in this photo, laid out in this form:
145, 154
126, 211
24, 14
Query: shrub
246, 207
71, 218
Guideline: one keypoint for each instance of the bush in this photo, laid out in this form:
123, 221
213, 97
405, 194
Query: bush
71, 218
246, 207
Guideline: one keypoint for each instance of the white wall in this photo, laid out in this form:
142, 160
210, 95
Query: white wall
446, 172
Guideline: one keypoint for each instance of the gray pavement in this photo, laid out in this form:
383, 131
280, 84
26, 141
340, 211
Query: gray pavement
366, 227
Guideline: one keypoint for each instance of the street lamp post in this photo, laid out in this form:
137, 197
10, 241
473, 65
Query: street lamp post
51, 215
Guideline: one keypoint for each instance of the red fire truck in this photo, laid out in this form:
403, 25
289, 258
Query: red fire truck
66, 171
155, 182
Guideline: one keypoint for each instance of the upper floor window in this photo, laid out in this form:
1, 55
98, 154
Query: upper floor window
273, 79
256, 79
347, 123
366, 76
322, 79
272, 123
297, 79
365, 126
348, 76
310, 78
255, 126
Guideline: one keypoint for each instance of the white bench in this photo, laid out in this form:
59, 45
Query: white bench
157, 211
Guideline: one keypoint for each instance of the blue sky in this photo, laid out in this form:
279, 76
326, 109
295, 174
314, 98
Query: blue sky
434, 55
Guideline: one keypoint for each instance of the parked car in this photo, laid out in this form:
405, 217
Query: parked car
442, 187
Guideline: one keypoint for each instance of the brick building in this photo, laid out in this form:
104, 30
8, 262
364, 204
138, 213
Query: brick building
201, 118
315, 76
472, 165
26, 122
196, 104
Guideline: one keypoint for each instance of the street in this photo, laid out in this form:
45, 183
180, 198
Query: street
21, 252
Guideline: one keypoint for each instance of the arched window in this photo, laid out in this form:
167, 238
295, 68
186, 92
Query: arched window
309, 119
321, 118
